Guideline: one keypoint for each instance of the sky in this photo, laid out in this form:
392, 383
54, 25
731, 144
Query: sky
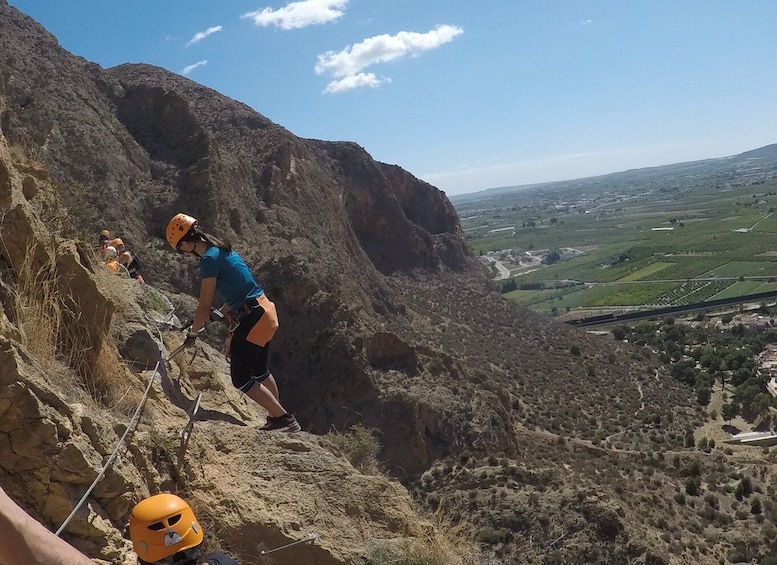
466, 95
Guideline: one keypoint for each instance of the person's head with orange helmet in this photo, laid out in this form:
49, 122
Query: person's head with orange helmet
118, 243
164, 531
182, 227
186, 229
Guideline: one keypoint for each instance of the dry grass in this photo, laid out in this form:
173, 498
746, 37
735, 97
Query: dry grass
360, 446
210, 524
38, 307
52, 330
26, 157
442, 544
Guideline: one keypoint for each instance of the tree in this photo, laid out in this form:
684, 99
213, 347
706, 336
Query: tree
552, 257
619, 333
693, 486
729, 411
703, 395
744, 488
761, 403
509, 286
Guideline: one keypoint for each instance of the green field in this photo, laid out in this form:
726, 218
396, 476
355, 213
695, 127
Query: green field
631, 242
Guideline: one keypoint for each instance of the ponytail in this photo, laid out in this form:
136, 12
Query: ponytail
196, 234
216, 242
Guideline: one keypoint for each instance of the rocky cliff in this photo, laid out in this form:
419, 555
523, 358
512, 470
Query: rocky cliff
63, 415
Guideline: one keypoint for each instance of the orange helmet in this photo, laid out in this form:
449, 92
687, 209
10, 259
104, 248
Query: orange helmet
178, 227
161, 526
116, 242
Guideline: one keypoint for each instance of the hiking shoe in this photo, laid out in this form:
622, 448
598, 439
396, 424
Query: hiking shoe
285, 423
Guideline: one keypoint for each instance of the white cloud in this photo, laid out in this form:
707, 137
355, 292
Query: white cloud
202, 35
581, 23
299, 14
190, 68
355, 81
379, 49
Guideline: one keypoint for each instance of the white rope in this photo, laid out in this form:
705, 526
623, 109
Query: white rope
115, 451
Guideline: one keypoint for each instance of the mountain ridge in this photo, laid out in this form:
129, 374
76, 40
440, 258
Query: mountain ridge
767, 151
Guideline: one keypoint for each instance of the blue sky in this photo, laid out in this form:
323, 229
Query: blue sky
466, 95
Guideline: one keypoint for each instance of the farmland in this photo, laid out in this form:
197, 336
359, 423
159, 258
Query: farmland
652, 237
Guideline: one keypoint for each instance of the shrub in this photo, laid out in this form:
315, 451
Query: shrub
744, 488
440, 549
491, 536
359, 446
406, 552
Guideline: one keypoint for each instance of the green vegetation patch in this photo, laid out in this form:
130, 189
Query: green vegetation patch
647, 271
529, 296
742, 288
746, 269
723, 229
632, 294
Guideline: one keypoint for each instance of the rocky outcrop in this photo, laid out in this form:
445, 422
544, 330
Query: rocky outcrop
58, 429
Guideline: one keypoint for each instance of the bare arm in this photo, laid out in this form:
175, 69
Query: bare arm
24, 541
207, 290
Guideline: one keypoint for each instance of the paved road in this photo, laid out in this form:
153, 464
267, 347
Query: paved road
504, 272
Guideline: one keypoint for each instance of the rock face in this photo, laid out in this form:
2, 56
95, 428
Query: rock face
387, 320
62, 416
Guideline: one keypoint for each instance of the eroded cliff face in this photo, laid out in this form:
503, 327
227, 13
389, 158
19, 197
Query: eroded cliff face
62, 417
321, 222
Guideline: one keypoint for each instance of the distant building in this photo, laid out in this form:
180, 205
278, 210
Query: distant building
511, 228
754, 438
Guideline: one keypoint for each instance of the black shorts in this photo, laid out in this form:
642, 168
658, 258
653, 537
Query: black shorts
248, 361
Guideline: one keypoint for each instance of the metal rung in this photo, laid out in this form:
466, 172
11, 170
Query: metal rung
310, 538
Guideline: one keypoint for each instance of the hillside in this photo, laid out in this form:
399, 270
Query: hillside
761, 162
531, 433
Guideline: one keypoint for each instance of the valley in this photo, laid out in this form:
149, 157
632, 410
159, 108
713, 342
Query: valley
652, 237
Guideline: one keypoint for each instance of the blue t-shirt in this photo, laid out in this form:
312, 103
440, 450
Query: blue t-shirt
234, 281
